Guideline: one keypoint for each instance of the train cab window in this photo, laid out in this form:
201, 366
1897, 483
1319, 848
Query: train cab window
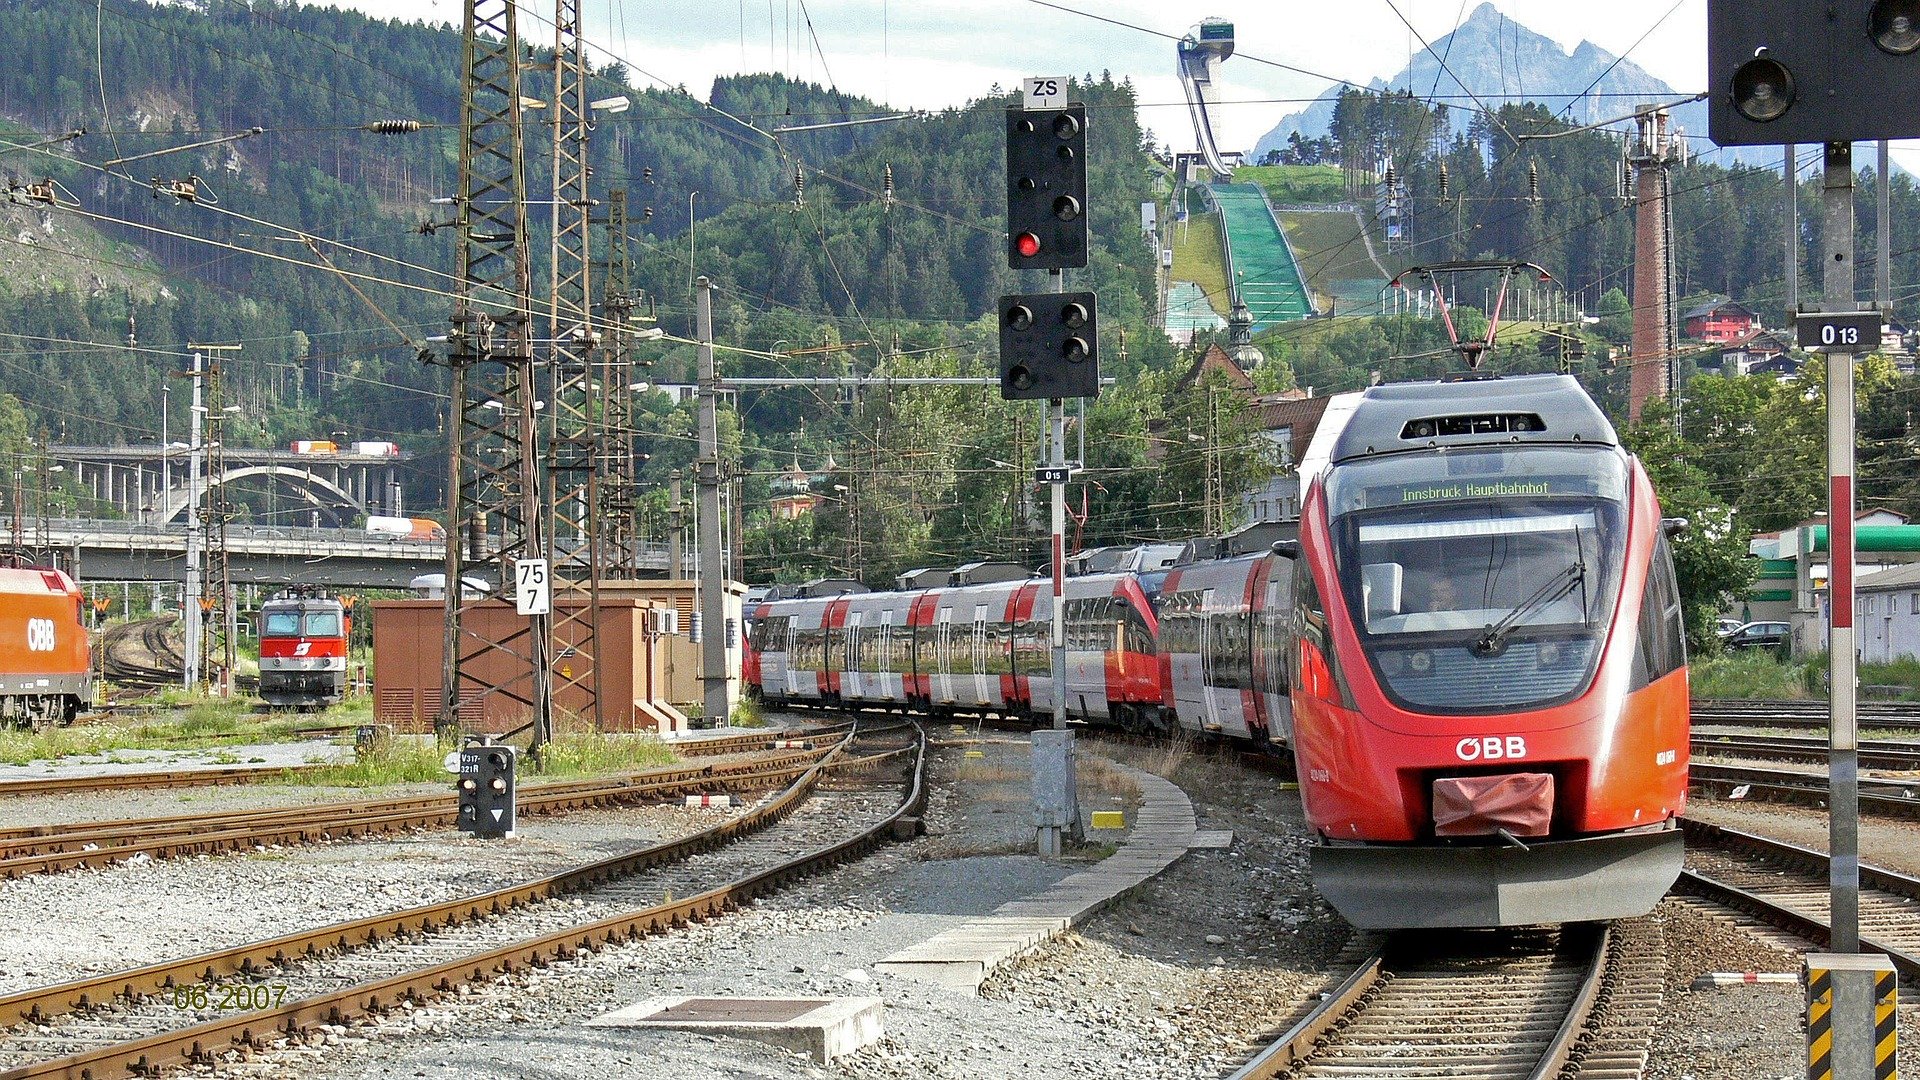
323, 624
281, 624
1481, 579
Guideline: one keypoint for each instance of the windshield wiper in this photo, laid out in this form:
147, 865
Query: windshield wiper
1493, 641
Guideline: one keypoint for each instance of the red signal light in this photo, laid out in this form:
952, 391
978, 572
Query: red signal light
1027, 244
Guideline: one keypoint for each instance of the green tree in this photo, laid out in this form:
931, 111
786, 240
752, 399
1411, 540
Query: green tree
1710, 555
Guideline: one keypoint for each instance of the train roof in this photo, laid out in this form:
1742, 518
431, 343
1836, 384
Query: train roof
1394, 417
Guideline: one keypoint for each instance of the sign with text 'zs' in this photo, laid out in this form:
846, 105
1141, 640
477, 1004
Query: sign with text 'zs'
533, 587
1043, 92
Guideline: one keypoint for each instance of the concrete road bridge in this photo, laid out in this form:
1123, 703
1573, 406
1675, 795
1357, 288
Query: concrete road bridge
148, 484
257, 554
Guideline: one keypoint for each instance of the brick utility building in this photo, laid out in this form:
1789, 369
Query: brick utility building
649, 661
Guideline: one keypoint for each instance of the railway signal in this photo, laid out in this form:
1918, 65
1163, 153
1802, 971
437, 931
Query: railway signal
1049, 347
486, 790
1047, 188
1784, 71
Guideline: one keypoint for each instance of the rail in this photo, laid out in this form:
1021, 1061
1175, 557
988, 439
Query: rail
203, 1042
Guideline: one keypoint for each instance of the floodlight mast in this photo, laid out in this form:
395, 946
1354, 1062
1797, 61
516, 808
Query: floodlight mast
1473, 352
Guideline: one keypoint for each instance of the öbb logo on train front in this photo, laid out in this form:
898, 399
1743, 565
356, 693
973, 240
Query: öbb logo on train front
1491, 748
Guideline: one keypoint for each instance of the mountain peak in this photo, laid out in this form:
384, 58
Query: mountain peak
1483, 15
1495, 59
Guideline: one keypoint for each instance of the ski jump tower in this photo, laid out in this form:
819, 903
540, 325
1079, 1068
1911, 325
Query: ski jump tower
1200, 52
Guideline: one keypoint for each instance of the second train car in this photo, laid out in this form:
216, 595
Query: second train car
982, 647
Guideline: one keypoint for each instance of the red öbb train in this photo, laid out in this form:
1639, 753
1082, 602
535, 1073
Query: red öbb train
1474, 652
45, 668
303, 652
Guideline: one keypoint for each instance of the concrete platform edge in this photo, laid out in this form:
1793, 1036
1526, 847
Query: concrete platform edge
962, 958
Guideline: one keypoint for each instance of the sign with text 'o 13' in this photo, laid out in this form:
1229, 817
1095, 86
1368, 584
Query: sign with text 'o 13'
533, 587
1838, 331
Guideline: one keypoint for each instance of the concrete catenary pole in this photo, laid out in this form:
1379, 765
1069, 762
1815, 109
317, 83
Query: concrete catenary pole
713, 572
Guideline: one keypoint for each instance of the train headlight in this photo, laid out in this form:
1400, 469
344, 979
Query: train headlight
1420, 662
1549, 654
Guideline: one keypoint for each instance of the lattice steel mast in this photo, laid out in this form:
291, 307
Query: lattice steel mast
492, 479
574, 437
619, 495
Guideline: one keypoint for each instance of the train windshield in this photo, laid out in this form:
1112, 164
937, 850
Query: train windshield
281, 624
1481, 579
323, 624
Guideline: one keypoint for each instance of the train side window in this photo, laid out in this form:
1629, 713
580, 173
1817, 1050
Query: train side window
1663, 641
281, 624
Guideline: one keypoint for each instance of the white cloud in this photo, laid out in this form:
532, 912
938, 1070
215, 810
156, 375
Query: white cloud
928, 54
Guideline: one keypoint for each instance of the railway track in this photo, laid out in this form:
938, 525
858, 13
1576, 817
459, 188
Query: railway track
35, 849
1785, 886
172, 778
1890, 755
1528, 1005
127, 1023
1804, 715
142, 653
1884, 797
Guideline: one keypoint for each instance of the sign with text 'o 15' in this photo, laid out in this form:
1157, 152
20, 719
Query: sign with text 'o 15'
533, 587
1043, 92
1838, 331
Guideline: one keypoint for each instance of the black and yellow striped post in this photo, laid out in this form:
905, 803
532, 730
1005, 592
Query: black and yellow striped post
1819, 1023
1851, 1017
1886, 1029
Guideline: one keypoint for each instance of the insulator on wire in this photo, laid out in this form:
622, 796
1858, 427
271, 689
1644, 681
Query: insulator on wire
392, 127
886, 186
646, 213
1391, 179
1533, 181
1444, 180
646, 174
799, 188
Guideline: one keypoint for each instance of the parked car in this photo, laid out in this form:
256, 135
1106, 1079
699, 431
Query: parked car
1760, 635
1724, 627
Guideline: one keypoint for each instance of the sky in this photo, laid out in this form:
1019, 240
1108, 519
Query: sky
929, 54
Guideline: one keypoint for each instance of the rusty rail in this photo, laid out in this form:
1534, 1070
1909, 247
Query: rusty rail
203, 1042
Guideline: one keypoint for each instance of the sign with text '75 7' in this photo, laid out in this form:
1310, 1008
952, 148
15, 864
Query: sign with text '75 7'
533, 587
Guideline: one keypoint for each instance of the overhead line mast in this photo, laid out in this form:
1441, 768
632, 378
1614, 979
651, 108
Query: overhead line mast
493, 481
575, 437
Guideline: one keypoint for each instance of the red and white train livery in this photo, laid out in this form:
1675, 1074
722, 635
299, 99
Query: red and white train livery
967, 647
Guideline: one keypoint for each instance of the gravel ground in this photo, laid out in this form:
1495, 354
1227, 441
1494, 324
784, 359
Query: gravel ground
90, 921
1181, 979
214, 758
1176, 981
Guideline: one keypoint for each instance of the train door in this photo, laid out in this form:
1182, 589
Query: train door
1228, 650
774, 643
1183, 637
977, 655
1272, 645
790, 668
882, 662
1040, 678
853, 680
1091, 633
943, 656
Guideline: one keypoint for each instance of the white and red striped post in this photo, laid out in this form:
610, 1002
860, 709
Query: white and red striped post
1843, 769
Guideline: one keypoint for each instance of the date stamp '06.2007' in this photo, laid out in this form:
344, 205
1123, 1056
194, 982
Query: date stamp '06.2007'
199, 996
